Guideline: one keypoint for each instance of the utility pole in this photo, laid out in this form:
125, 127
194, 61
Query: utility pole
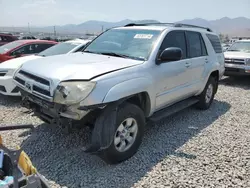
102, 28
29, 27
55, 32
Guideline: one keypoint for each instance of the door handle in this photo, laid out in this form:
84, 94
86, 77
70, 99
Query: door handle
188, 64
206, 60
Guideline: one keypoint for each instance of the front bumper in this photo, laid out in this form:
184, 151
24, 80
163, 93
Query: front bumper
50, 112
7, 87
236, 70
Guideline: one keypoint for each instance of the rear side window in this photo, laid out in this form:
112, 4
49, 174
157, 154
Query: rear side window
175, 39
194, 44
215, 41
42, 47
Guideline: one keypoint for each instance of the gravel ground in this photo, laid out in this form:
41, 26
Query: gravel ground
190, 149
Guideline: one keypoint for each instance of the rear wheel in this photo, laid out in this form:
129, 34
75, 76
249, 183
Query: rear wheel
207, 96
128, 134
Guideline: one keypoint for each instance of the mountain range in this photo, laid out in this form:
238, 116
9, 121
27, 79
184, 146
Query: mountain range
239, 26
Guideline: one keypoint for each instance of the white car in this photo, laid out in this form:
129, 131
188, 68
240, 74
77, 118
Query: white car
7, 68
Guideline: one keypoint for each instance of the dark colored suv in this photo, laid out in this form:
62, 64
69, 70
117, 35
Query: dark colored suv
6, 38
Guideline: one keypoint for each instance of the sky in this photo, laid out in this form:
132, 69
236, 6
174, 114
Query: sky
60, 12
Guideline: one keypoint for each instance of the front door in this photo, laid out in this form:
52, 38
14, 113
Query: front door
172, 76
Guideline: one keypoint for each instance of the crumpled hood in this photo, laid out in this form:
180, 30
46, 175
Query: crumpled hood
76, 66
236, 55
15, 63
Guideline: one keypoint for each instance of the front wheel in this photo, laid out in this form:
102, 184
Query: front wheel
127, 135
207, 96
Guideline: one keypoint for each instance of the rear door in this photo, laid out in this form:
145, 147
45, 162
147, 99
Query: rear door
216, 44
197, 53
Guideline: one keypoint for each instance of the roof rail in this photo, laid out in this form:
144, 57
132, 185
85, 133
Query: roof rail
145, 24
171, 24
192, 26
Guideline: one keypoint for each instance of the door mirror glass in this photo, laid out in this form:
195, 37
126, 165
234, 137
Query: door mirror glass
170, 54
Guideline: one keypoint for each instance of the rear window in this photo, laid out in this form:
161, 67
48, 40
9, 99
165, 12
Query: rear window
215, 41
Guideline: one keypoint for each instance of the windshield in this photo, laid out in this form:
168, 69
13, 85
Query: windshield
240, 47
127, 43
61, 48
9, 46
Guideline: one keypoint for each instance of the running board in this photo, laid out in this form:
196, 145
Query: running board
173, 109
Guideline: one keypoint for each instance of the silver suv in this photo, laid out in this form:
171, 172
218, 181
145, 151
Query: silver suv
237, 59
123, 78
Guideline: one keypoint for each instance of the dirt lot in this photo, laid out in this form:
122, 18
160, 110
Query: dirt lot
190, 149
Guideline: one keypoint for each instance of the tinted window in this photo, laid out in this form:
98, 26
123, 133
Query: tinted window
175, 39
215, 41
27, 49
203, 47
42, 47
194, 44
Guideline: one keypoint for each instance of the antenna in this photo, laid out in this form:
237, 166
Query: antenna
55, 31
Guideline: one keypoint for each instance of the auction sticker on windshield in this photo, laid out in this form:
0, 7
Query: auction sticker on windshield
143, 36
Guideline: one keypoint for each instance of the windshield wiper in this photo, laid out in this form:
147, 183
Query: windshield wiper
234, 50
90, 52
121, 55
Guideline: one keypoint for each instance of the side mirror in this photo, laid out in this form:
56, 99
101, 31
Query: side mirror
170, 54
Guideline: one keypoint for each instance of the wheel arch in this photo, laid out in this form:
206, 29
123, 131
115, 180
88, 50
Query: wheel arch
134, 91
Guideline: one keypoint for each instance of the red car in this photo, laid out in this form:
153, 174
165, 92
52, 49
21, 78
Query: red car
21, 48
6, 38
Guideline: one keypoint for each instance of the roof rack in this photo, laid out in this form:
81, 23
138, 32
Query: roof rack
171, 24
193, 26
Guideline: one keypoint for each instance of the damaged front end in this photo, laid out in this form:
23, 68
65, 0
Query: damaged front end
97, 116
50, 112
68, 117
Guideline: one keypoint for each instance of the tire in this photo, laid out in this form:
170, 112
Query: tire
112, 155
211, 88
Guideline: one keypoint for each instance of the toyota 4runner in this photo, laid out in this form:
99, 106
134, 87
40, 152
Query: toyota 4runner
237, 59
124, 77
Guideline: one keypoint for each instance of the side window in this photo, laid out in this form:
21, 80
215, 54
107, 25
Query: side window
45, 46
194, 44
41, 47
27, 49
215, 41
203, 47
175, 39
